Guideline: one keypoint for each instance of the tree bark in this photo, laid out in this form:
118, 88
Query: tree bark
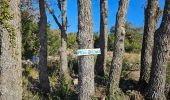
152, 15
160, 54
63, 55
43, 77
10, 58
85, 41
116, 66
101, 59
63, 29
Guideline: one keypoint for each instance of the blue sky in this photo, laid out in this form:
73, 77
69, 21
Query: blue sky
135, 13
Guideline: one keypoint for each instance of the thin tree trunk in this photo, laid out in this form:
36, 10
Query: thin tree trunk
43, 77
63, 55
101, 59
10, 58
116, 66
152, 15
63, 29
85, 41
160, 56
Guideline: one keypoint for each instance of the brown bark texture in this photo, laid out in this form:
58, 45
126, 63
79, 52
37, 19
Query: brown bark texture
101, 59
63, 51
10, 58
43, 77
161, 50
152, 15
63, 28
116, 66
85, 41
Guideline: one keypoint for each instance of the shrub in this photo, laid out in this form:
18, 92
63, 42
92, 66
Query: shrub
72, 41
53, 41
30, 41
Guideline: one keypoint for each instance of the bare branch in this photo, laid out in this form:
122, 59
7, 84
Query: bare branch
52, 13
59, 4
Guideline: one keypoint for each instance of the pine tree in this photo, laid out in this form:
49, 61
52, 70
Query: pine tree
152, 15
159, 58
85, 41
101, 59
10, 58
43, 77
116, 66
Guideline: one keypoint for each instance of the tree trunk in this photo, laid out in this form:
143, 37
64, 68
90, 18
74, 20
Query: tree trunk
63, 55
85, 41
10, 58
43, 77
116, 66
101, 59
160, 54
152, 15
63, 28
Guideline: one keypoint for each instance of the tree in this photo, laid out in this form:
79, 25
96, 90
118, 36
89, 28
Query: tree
29, 30
133, 38
53, 41
85, 41
63, 56
152, 15
30, 40
160, 56
43, 77
116, 66
101, 59
10, 58
62, 5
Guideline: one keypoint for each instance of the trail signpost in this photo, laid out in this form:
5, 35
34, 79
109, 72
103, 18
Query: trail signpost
83, 52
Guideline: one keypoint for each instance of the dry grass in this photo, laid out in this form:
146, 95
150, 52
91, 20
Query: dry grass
33, 73
131, 57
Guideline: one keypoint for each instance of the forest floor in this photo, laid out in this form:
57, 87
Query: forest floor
129, 79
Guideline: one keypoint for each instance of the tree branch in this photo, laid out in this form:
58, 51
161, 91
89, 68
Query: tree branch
52, 13
59, 4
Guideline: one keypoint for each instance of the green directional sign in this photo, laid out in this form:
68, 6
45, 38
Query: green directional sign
81, 52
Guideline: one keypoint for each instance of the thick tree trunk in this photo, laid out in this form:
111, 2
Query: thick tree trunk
116, 66
63, 52
101, 59
10, 58
152, 15
43, 77
85, 41
160, 54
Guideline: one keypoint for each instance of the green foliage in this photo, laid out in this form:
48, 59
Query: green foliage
133, 38
127, 66
53, 41
133, 42
72, 41
63, 88
5, 17
73, 65
30, 40
110, 42
118, 95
